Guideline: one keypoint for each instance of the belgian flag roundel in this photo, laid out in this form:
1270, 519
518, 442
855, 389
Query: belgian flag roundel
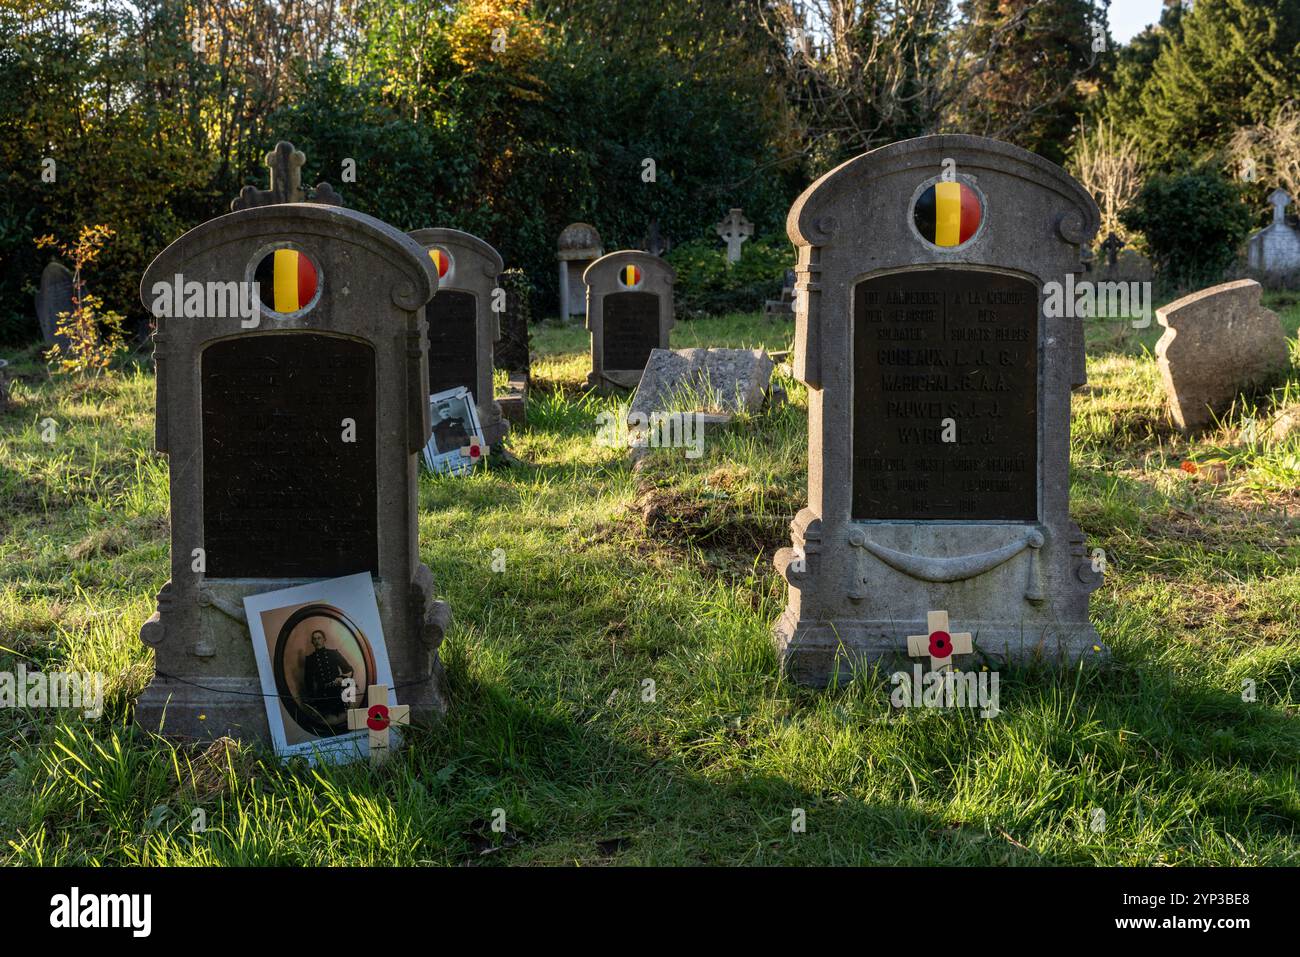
629, 276
286, 279
948, 214
441, 260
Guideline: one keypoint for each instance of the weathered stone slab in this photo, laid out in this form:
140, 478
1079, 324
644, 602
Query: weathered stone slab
703, 380
54, 297
1218, 343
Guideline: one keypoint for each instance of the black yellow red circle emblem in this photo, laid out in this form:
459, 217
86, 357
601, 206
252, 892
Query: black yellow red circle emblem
629, 276
287, 280
948, 214
441, 260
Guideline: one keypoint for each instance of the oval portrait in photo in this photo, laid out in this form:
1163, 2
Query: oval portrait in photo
323, 664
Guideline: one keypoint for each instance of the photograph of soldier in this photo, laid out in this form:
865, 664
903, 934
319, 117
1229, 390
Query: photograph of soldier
325, 674
322, 664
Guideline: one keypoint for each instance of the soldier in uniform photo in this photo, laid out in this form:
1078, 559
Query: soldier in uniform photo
325, 672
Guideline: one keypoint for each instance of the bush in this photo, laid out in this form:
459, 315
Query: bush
708, 285
1194, 224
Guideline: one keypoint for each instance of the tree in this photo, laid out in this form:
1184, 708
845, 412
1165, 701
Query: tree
1106, 163
1269, 153
1232, 64
1026, 86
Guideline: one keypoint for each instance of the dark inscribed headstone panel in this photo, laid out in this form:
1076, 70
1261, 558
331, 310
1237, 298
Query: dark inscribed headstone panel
453, 341
631, 329
283, 495
941, 344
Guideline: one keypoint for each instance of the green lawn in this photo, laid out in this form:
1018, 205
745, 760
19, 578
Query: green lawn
615, 579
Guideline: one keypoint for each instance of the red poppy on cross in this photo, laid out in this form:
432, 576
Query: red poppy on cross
474, 450
939, 644
377, 717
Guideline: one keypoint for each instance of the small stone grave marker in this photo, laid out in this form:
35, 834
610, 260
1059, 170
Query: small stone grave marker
629, 314
1273, 253
1217, 344
734, 229
578, 246
53, 298
463, 327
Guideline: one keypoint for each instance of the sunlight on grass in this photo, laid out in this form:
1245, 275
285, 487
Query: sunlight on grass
616, 685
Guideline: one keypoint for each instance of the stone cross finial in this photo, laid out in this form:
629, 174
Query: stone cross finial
285, 164
1279, 201
378, 717
1111, 248
734, 230
939, 644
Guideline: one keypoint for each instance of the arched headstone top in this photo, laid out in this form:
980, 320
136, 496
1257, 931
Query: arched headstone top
481, 256
314, 227
656, 269
578, 241
895, 172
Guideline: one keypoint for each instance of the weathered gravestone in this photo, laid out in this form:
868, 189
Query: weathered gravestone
724, 381
54, 297
939, 408
784, 307
513, 352
578, 246
1218, 343
267, 489
463, 326
734, 229
629, 313
1273, 253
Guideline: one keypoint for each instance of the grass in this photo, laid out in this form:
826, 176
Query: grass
614, 689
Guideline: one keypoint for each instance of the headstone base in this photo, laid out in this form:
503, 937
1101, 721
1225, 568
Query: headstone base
819, 653
188, 698
614, 380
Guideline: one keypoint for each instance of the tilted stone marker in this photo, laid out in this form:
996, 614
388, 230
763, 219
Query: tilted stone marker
629, 313
1218, 343
578, 246
938, 408
704, 380
1273, 253
463, 327
267, 488
54, 297
734, 229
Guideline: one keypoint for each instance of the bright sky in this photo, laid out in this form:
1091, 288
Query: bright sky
1129, 17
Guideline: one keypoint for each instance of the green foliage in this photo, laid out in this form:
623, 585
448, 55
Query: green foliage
707, 284
1029, 92
1194, 224
1223, 64
614, 577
